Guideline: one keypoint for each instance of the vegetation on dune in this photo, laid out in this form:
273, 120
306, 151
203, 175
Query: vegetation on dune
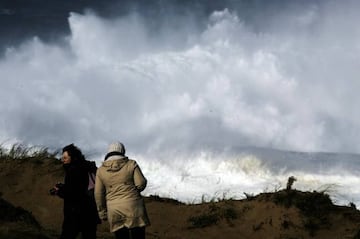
36, 154
16, 222
213, 214
9, 213
316, 207
156, 198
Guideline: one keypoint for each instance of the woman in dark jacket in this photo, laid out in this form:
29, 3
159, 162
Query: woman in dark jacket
80, 213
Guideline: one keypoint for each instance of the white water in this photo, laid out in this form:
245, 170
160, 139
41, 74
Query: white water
218, 176
177, 95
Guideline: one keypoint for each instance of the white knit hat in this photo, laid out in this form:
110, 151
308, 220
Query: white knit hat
116, 147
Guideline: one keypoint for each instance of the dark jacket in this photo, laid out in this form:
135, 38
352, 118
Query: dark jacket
79, 207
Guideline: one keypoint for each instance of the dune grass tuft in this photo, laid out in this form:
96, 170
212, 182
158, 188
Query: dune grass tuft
22, 152
213, 214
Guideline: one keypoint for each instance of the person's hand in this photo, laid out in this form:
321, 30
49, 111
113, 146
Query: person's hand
54, 191
57, 190
104, 217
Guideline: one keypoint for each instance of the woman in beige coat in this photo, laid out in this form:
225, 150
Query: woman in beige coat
118, 184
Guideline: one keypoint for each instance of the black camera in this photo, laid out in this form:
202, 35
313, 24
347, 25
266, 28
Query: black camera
55, 190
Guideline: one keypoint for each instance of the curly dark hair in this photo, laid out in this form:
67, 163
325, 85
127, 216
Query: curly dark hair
74, 152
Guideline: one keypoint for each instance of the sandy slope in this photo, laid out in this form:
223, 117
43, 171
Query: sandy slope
26, 184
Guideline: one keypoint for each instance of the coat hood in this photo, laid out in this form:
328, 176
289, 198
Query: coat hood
115, 163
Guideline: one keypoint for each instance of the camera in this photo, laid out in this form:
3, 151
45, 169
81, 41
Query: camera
55, 190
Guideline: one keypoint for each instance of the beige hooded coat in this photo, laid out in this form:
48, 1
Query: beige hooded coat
119, 182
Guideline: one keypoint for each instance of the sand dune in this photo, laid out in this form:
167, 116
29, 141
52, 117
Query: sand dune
283, 214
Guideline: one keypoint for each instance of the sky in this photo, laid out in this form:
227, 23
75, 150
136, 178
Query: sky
194, 83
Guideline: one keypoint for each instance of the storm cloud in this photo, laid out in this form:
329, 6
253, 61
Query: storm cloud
288, 81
